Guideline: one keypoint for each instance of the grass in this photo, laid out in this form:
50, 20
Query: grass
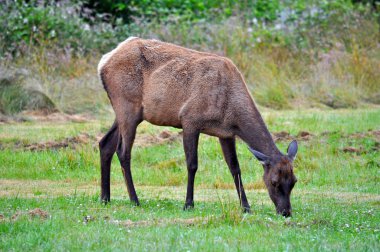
352, 226
335, 202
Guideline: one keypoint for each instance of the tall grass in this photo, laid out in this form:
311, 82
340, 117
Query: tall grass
70, 82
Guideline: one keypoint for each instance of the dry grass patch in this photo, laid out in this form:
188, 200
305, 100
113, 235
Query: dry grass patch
34, 213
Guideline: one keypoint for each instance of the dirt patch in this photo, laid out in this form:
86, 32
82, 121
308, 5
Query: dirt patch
82, 138
2, 217
163, 137
351, 149
361, 150
162, 222
306, 136
165, 134
34, 213
43, 116
285, 136
281, 136
37, 212
146, 140
47, 116
375, 134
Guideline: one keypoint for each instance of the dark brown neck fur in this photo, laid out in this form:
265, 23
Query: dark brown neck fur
253, 131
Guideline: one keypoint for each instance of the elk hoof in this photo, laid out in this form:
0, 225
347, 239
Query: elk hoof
247, 210
188, 206
105, 199
135, 202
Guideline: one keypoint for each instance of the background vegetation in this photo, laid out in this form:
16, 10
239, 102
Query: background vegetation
292, 53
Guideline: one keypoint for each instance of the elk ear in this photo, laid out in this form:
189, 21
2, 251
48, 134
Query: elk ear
264, 159
292, 150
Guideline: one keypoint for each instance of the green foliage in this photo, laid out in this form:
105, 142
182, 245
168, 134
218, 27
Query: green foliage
84, 26
162, 10
304, 50
266, 10
28, 24
55, 25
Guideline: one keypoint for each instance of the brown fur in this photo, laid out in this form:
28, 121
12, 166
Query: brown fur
169, 85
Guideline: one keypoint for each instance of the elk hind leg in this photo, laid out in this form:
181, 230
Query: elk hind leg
190, 143
128, 122
107, 147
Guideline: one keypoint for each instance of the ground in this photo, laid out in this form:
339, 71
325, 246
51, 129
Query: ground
49, 188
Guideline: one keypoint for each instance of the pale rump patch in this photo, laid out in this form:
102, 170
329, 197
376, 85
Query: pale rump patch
108, 55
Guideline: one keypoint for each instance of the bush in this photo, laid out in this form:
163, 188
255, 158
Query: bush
273, 96
56, 25
16, 97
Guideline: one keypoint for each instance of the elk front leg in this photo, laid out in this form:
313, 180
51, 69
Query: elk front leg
128, 132
190, 143
229, 152
107, 147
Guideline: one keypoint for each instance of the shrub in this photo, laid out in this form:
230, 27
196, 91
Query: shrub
15, 96
55, 25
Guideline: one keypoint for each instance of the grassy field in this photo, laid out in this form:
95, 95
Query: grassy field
49, 189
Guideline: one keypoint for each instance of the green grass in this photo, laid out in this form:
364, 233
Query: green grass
335, 202
351, 226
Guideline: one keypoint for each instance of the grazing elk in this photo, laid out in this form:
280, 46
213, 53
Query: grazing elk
169, 85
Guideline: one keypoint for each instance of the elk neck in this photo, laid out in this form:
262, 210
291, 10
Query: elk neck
253, 131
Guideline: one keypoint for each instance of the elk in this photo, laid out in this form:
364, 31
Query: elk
169, 85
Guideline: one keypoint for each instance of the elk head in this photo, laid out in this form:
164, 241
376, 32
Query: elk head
279, 177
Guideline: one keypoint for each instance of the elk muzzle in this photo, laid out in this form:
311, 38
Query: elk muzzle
284, 208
